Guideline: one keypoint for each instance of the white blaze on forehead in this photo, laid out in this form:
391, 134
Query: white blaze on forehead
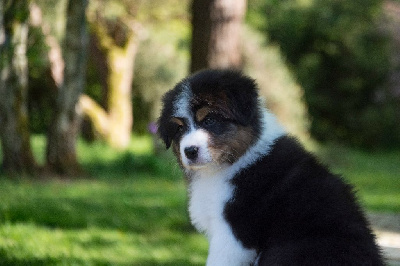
182, 103
194, 137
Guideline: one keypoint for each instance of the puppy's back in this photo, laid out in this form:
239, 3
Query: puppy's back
293, 211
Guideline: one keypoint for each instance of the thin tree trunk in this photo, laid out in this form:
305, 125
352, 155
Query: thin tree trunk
14, 129
216, 33
115, 124
121, 61
61, 146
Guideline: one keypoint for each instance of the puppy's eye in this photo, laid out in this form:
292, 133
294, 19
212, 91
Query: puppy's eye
177, 126
209, 121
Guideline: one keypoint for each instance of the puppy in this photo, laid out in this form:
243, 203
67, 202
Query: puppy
257, 195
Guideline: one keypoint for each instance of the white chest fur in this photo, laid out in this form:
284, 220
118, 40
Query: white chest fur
208, 195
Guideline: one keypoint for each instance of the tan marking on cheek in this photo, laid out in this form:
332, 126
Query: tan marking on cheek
175, 149
243, 139
177, 121
229, 147
202, 113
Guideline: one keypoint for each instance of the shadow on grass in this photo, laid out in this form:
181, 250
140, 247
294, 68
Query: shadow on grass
128, 164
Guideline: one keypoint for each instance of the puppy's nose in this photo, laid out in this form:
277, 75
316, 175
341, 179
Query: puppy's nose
191, 152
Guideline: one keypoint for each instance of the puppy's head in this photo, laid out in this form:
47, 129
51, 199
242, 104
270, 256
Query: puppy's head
210, 118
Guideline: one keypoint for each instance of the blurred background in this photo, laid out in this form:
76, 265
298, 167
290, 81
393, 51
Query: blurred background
84, 179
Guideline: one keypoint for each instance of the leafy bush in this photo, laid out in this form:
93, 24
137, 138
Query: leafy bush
162, 60
282, 94
341, 59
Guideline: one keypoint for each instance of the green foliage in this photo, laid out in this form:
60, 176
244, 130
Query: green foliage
341, 59
54, 15
162, 61
282, 94
15, 11
162, 58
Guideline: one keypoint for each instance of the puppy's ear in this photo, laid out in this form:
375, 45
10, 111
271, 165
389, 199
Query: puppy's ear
164, 133
243, 100
164, 124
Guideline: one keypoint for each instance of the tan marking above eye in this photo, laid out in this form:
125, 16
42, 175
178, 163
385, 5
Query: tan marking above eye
177, 121
202, 113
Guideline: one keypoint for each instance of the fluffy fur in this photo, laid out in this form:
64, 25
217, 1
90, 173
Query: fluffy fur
257, 195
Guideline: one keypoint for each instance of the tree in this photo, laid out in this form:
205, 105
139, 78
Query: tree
342, 60
118, 38
216, 28
14, 130
65, 125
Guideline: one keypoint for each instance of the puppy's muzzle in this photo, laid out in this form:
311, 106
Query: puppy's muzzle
194, 150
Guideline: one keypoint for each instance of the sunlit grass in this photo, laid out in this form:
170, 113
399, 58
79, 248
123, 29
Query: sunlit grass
376, 176
131, 211
27, 244
140, 220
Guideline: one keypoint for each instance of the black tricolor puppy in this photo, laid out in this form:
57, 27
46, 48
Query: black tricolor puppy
260, 198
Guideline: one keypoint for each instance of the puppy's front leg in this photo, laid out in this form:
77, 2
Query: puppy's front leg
225, 250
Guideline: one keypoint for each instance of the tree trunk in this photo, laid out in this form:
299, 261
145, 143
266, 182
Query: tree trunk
14, 130
61, 146
115, 124
216, 32
121, 62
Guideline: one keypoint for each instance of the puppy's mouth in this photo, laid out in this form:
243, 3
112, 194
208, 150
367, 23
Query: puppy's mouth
195, 166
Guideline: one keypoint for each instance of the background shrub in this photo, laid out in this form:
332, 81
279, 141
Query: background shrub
342, 60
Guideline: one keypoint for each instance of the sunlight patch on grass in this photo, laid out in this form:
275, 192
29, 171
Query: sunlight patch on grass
137, 221
27, 243
376, 176
129, 204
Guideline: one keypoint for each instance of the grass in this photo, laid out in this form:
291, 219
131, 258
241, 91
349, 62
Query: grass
376, 176
140, 221
133, 212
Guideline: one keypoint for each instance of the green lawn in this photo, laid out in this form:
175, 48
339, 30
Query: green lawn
137, 221
376, 176
133, 210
